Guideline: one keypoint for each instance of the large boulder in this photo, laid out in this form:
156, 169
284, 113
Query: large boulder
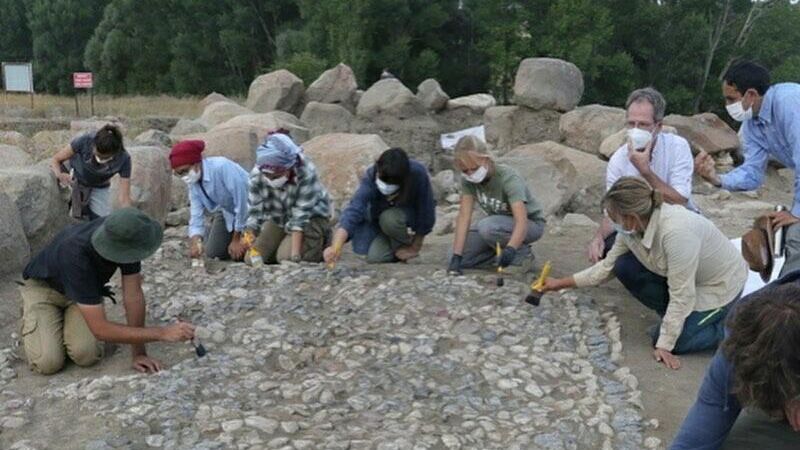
153, 137
220, 112
47, 143
325, 118
586, 127
342, 160
547, 83
42, 209
705, 132
337, 85
13, 244
14, 156
238, 138
475, 102
278, 90
418, 136
613, 142
179, 194
151, 182
389, 97
431, 95
185, 127
587, 189
445, 184
551, 181
94, 124
17, 139
507, 127
213, 98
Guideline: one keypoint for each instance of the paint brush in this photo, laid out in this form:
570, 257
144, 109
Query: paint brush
199, 349
337, 250
500, 280
535, 297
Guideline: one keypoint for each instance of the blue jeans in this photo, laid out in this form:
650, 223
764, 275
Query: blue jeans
652, 291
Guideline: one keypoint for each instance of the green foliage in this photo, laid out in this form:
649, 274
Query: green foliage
188, 46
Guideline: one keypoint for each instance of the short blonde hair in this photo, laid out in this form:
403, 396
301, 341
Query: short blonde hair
470, 152
632, 196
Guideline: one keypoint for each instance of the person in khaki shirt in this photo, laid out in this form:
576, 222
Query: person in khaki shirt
705, 272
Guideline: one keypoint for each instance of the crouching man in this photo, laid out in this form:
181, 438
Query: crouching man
62, 297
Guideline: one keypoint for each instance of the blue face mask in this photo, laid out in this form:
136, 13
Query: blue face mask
619, 229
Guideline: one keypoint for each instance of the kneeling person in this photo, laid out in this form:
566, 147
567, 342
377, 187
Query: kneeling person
289, 206
704, 271
515, 218
62, 298
391, 212
217, 185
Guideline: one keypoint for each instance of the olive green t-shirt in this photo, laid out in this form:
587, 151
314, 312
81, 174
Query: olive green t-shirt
497, 194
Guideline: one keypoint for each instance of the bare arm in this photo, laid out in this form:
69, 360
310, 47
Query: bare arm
297, 243
135, 309
520, 229
125, 192
55, 164
462, 223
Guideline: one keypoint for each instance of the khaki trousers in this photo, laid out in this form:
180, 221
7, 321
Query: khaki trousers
52, 328
275, 245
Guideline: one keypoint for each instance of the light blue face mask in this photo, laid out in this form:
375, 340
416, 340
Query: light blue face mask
619, 229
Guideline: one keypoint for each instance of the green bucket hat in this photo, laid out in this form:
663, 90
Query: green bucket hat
127, 236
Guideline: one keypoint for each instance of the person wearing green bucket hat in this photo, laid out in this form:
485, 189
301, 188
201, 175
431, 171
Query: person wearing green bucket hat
62, 296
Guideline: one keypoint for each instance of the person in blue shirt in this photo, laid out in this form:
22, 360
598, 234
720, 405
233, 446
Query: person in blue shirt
390, 214
750, 396
770, 117
219, 186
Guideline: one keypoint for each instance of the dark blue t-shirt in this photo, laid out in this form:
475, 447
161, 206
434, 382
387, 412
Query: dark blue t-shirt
71, 265
88, 171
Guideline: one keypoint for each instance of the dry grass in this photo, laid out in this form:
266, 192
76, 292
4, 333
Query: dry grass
46, 106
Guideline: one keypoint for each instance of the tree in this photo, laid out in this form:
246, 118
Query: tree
15, 35
60, 31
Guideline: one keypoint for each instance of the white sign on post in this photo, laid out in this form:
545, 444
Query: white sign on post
18, 77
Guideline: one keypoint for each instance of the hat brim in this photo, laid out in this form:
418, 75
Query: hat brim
757, 251
127, 252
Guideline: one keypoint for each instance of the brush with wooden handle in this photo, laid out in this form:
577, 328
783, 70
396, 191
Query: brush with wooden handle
535, 297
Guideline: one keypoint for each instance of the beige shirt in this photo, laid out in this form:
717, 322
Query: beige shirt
704, 270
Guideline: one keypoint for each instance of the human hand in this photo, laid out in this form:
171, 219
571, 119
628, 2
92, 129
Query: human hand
782, 218
146, 364
507, 257
237, 248
455, 266
640, 158
195, 247
406, 253
704, 166
552, 284
330, 255
177, 332
595, 249
667, 358
64, 179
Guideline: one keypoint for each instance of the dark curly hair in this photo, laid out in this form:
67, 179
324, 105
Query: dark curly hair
764, 348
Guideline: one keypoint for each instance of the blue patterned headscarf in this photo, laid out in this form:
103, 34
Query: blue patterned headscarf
278, 151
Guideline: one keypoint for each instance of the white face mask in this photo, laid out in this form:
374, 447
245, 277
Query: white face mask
738, 113
277, 183
621, 230
478, 175
385, 188
639, 138
193, 176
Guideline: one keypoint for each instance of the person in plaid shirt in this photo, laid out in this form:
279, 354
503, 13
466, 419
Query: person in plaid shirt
289, 208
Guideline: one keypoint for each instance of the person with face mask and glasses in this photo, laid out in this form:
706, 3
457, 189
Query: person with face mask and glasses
216, 185
87, 165
770, 117
705, 272
290, 209
515, 218
665, 161
391, 212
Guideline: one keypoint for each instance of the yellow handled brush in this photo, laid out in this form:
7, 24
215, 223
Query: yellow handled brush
337, 250
536, 288
500, 280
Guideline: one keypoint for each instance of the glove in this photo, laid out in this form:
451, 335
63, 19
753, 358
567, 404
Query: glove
455, 265
507, 257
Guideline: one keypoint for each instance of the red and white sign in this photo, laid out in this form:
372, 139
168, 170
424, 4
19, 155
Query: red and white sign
82, 80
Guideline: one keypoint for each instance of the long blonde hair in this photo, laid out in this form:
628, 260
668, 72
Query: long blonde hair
632, 196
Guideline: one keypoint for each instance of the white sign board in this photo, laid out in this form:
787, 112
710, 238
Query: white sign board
449, 140
18, 77
754, 281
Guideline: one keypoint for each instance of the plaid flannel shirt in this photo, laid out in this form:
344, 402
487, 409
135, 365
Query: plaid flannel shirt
290, 207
